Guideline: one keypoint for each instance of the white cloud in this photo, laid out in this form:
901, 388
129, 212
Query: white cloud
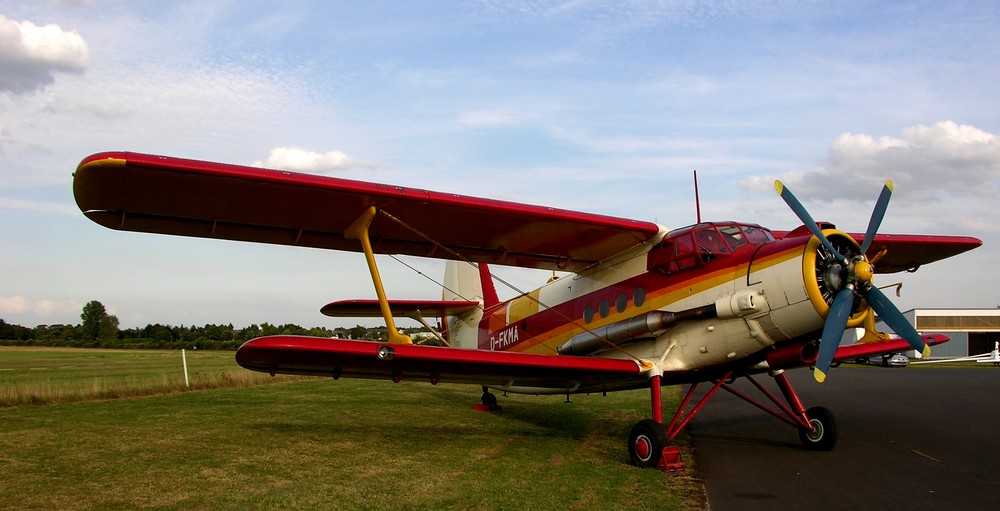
7, 203
490, 117
17, 305
628, 144
14, 305
928, 163
48, 308
225, 113
302, 160
30, 54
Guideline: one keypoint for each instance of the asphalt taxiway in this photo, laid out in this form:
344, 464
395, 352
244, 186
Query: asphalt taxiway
909, 438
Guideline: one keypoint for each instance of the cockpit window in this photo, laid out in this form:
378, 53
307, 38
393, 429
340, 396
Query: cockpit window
710, 242
733, 236
757, 234
690, 247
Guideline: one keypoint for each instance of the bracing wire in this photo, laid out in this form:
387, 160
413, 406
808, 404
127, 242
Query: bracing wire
439, 284
514, 288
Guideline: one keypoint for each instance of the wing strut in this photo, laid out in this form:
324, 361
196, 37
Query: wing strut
359, 231
416, 315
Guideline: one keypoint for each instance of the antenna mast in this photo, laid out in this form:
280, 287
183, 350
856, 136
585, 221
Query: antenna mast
697, 201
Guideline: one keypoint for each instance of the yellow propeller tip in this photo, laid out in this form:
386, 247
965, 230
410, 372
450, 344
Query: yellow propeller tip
888, 184
778, 186
926, 352
819, 375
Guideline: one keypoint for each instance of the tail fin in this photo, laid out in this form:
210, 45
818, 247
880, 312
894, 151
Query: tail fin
463, 281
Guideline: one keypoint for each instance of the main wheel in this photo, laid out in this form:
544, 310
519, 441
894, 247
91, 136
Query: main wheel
824, 433
646, 443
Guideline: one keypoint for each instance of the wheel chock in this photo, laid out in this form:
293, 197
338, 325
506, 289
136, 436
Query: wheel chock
671, 460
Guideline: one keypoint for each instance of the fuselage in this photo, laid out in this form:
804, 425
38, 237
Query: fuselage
760, 292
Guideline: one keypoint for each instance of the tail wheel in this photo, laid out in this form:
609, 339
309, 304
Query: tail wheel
646, 443
490, 400
823, 436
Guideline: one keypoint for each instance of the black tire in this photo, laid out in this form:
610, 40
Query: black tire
646, 443
490, 400
823, 437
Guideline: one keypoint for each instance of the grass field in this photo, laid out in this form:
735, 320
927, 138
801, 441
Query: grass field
323, 444
58, 375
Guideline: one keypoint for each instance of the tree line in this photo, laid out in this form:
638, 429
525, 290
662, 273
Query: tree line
98, 329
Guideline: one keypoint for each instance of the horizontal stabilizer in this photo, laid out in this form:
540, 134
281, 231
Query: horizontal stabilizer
400, 308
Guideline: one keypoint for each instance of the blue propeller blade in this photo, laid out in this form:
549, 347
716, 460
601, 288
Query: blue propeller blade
895, 319
833, 331
877, 214
806, 219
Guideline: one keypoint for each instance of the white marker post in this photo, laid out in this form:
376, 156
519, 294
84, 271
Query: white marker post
187, 383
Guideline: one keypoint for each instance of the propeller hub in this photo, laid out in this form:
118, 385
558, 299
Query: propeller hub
864, 272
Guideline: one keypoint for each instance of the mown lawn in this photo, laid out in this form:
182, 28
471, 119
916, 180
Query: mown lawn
323, 444
56, 375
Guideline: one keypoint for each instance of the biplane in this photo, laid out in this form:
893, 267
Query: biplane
638, 305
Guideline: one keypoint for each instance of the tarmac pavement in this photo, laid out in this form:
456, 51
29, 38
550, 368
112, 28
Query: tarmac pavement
909, 438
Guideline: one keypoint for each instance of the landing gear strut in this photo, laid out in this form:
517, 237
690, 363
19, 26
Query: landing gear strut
649, 439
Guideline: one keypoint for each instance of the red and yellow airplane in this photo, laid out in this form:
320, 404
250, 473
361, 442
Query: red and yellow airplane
644, 306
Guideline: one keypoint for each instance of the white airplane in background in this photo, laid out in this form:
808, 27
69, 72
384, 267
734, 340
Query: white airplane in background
993, 356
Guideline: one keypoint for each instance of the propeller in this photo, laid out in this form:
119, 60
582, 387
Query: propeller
858, 282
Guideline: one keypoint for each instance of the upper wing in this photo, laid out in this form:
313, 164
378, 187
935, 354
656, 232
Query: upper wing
401, 308
904, 252
364, 359
139, 192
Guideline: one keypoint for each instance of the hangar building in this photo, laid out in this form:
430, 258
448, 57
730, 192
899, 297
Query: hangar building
972, 331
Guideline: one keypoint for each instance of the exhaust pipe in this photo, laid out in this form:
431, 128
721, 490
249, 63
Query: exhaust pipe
792, 355
643, 326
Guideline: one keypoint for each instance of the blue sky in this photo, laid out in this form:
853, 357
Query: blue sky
596, 106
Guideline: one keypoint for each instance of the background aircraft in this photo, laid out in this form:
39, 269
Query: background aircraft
993, 357
644, 306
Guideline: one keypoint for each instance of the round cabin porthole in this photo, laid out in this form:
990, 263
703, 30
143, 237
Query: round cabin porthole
639, 297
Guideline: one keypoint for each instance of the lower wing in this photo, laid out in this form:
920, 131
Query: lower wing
870, 349
337, 358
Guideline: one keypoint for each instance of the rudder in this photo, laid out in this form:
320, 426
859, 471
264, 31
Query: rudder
465, 281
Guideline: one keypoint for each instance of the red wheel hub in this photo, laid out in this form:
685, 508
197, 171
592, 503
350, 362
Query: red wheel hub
643, 447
